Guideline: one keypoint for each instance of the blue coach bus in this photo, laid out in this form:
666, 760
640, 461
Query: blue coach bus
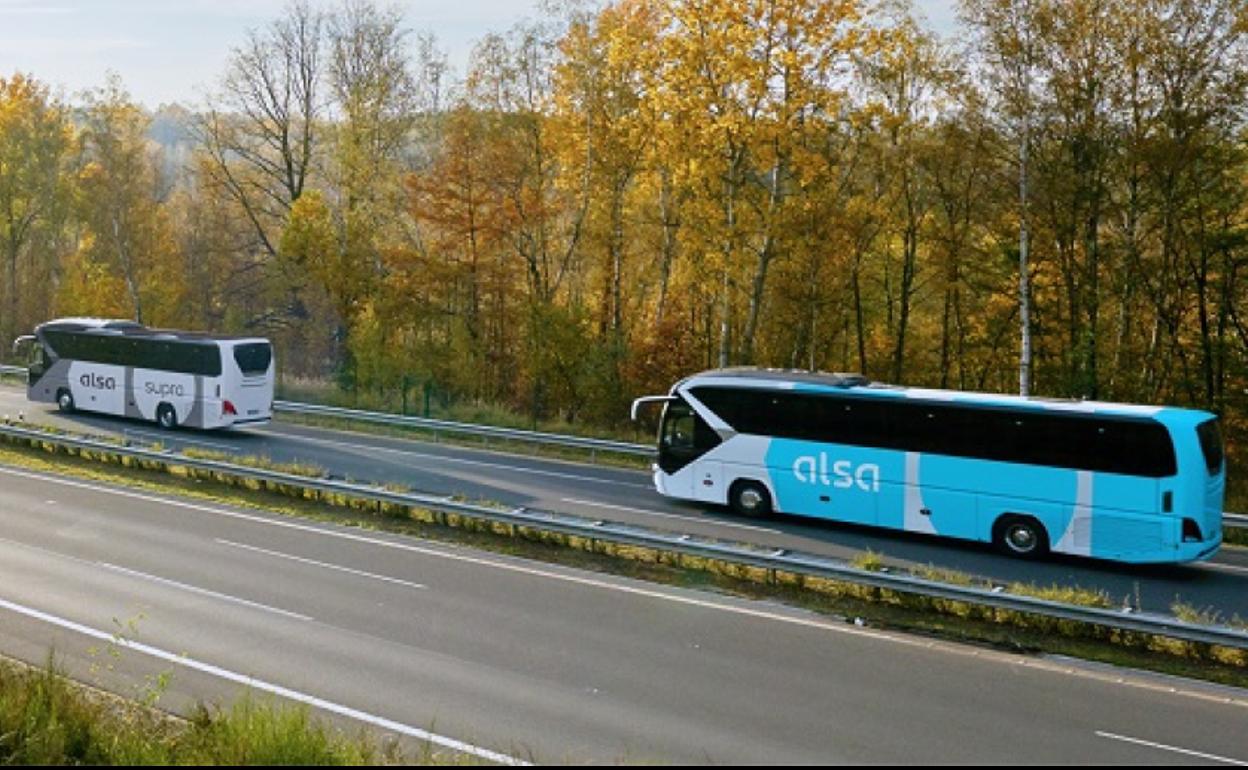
1124, 482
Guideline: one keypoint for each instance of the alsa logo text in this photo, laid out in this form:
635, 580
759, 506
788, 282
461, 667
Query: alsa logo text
814, 470
91, 380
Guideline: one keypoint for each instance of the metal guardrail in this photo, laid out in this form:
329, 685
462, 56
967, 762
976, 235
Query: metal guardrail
592, 445
737, 553
18, 371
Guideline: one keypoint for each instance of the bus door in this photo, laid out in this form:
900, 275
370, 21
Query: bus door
708, 481
683, 438
28, 349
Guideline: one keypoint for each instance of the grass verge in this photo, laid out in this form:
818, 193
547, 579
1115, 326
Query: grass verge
47, 719
945, 618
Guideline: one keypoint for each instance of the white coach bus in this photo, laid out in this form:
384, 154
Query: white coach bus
171, 377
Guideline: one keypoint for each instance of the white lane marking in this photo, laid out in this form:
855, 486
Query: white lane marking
325, 565
463, 461
260, 684
153, 578
200, 591
1038, 664
695, 519
1175, 749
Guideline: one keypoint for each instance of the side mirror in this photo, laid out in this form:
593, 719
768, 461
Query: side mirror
640, 402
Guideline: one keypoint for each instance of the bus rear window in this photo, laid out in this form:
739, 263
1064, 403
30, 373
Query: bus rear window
1211, 445
253, 358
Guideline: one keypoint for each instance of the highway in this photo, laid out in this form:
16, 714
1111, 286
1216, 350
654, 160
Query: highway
627, 495
500, 657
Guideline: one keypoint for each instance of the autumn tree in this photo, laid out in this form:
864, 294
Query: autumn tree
461, 278
35, 147
906, 78
128, 238
1007, 33
747, 81
260, 132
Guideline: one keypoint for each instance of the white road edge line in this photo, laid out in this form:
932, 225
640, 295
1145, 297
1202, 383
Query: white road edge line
695, 519
1175, 749
315, 563
260, 684
200, 591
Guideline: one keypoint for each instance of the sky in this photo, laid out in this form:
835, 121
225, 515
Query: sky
175, 50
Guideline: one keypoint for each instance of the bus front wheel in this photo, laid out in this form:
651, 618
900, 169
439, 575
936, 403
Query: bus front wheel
1020, 536
167, 417
65, 400
750, 498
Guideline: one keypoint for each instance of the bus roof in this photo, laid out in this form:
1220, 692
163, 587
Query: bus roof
127, 328
859, 385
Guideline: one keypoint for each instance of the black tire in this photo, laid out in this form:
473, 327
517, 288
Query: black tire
750, 498
65, 401
166, 417
1020, 536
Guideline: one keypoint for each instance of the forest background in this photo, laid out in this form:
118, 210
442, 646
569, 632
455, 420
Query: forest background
628, 192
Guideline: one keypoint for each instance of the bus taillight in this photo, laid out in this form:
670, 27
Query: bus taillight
228, 409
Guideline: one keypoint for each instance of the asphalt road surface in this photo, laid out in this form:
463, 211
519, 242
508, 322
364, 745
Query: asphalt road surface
503, 658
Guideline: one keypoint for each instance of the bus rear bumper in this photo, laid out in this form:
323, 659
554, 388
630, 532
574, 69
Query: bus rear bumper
1183, 552
1200, 551
251, 421
1180, 554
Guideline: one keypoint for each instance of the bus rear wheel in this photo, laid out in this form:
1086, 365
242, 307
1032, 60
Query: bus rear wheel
1020, 536
750, 498
65, 400
167, 417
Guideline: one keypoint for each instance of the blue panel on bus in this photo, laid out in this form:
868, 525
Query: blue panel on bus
835, 481
942, 503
